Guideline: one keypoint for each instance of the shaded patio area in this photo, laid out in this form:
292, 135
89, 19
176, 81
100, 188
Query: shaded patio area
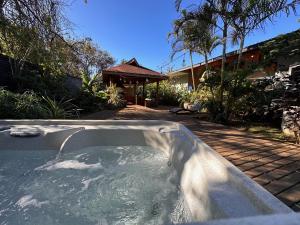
274, 165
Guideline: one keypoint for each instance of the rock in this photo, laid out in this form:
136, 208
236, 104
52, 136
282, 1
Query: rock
291, 122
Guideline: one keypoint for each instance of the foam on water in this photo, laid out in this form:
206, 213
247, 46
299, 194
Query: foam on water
97, 185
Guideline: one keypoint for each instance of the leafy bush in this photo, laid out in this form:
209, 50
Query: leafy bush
168, 94
59, 109
91, 102
21, 106
237, 91
199, 96
114, 98
91, 96
29, 105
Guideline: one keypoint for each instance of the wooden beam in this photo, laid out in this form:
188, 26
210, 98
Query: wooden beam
135, 96
144, 89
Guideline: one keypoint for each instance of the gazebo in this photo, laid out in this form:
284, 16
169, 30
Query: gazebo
128, 76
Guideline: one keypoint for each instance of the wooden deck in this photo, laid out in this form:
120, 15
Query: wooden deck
274, 165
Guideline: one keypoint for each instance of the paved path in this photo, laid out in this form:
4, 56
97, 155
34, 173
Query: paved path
274, 165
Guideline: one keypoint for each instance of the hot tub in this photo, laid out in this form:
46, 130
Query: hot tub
119, 172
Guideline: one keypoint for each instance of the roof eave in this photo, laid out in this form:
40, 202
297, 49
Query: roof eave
150, 76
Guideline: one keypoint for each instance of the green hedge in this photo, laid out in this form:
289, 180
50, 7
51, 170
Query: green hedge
20, 106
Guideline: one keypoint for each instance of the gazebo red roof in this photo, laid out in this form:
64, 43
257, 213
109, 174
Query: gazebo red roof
132, 68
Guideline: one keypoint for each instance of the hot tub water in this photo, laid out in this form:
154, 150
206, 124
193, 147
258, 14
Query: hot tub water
95, 185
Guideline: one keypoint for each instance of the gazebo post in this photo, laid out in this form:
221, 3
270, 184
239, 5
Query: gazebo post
135, 96
143, 91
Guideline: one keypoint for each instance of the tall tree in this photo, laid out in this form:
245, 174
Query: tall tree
184, 39
205, 34
248, 15
37, 32
91, 59
222, 10
243, 16
29, 30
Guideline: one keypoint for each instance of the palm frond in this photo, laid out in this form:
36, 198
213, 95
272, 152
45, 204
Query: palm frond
178, 4
235, 37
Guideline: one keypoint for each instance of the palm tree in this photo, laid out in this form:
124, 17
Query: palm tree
206, 46
183, 39
248, 15
207, 40
216, 13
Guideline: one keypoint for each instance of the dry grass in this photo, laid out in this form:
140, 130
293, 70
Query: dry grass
272, 133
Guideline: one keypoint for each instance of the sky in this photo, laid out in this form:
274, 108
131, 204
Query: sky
139, 28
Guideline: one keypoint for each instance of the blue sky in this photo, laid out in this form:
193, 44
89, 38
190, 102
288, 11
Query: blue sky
139, 28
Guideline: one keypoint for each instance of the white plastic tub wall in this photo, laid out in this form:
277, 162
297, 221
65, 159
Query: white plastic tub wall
213, 188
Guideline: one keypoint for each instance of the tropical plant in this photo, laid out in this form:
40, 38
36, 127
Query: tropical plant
21, 106
88, 82
207, 38
242, 16
168, 93
220, 15
237, 91
184, 39
61, 109
250, 15
114, 97
91, 102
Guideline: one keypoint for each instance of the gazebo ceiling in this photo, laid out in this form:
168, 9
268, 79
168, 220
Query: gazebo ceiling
132, 70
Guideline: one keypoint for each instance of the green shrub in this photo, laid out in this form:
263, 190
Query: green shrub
21, 106
29, 105
61, 109
237, 92
91, 102
168, 94
114, 98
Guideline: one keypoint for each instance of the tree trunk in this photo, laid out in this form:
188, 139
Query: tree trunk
206, 62
207, 72
225, 29
192, 69
242, 41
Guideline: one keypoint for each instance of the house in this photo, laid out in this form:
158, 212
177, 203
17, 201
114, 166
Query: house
283, 50
129, 76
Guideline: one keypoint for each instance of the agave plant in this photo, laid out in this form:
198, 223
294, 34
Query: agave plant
60, 109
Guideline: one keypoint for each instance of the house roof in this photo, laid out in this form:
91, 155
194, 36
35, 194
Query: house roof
185, 70
133, 68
